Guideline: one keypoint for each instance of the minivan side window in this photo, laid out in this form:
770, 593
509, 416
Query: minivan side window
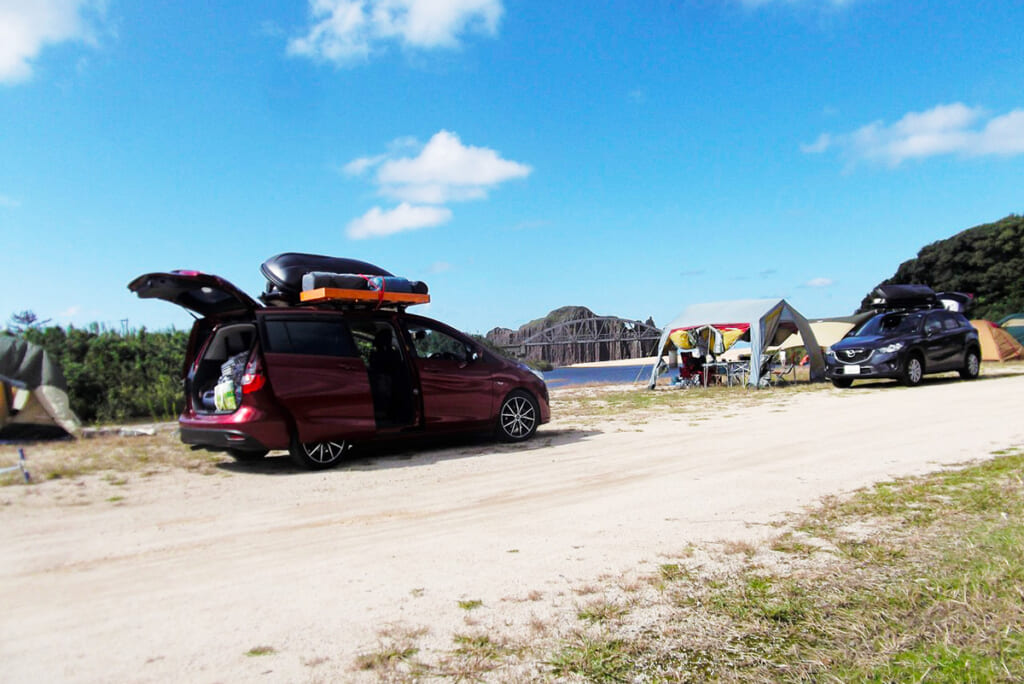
315, 336
434, 344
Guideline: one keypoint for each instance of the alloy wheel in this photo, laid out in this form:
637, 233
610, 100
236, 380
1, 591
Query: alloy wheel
518, 417
317, 455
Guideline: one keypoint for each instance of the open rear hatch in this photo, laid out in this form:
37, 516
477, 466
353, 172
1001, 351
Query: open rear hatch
207, 295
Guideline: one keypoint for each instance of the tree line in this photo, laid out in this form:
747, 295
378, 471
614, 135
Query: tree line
113, 376
986, 261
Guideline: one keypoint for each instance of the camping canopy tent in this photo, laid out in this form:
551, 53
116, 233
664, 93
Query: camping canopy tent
769, 323
33, 394
996, 343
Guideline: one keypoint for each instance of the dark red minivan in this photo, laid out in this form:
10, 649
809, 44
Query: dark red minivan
313, 378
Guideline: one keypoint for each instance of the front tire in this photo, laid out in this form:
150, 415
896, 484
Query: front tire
317, 455
972, 365
913, 371
518, 417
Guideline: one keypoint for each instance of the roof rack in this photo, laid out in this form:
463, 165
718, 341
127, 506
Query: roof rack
333, 295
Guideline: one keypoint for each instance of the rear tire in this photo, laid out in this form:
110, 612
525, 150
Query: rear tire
972, 365
842, 383
518, 417
913, 371
317, 455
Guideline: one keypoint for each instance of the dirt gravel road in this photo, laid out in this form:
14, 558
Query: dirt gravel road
187, 577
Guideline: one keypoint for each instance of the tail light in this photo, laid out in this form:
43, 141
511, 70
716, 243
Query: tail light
253, 378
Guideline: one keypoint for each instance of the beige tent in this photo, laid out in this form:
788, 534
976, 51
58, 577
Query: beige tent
826, 333
33, 394
996, 343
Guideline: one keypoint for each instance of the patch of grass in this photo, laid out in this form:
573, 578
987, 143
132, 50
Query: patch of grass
115, 499
471, 604
672, 572
601, 610
925, 583
257, 651
385, 658
115, 457
395, 651
481, 645
593, 659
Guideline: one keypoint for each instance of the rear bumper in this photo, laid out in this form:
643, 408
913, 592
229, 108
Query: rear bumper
247, 429
221, 439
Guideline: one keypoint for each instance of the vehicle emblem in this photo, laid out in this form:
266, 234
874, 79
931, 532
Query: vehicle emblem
850, 353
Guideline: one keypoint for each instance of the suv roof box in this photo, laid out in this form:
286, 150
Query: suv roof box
903, 297
284, 273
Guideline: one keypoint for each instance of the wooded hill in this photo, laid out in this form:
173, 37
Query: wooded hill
986, 261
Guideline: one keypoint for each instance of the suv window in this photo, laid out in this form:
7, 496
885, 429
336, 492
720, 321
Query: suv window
320, 337
933, 324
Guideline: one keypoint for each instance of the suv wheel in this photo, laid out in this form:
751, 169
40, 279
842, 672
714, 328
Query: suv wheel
317, 455
972, 365
842, 383
913, 371
518, 417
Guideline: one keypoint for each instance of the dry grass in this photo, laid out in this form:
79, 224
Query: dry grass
117, 458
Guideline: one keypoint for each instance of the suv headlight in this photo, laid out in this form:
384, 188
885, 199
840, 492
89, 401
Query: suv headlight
891, 348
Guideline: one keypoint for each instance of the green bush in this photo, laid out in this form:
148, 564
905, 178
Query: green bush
114, 377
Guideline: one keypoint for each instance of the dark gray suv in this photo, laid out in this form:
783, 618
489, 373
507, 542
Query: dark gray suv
906, 345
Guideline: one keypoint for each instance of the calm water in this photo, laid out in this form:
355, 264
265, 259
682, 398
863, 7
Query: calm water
562, 377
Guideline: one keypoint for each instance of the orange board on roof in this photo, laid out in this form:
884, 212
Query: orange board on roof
332, 294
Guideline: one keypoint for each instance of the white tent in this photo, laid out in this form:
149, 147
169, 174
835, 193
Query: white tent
770, 321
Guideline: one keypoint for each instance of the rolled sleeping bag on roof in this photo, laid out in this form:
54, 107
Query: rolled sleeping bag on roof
344, 281
396, 284
358, 281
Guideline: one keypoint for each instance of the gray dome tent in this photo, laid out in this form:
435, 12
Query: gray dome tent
33, 394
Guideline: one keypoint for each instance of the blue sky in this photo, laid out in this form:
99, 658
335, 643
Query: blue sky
518, 156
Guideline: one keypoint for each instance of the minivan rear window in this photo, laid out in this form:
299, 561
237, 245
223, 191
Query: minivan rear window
320, 337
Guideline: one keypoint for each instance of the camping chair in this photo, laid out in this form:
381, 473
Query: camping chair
778, 373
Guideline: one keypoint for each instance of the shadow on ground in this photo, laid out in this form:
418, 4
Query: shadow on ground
420, 452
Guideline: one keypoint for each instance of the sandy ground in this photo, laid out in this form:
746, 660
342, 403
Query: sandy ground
184, 575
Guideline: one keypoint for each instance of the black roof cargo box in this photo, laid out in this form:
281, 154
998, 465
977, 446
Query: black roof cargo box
284, 273
903, 297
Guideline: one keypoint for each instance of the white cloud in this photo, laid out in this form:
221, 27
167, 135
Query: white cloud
445, 171
819, 282
9, 202
347, 31
380, 222
439, 267
945, 129
27, 26
358, 167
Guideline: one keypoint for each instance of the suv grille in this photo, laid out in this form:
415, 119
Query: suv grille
853, 355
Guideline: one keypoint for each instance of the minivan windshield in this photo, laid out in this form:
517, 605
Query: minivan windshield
890, 324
